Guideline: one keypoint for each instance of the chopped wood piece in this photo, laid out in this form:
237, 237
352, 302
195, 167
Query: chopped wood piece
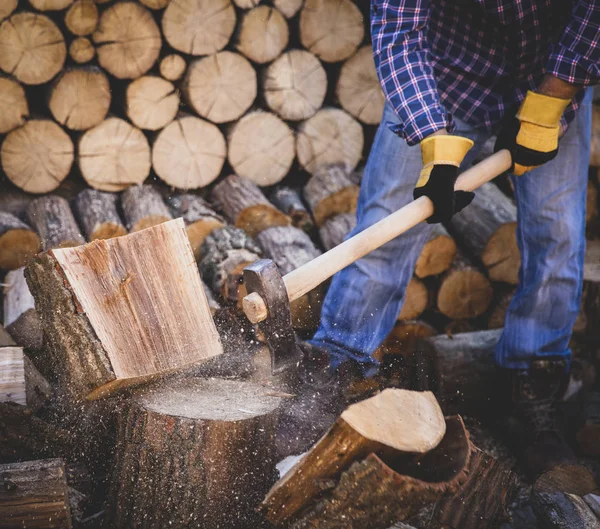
334, 229
500, 305
82, 50
289, 201
198, 27
114, 155
416, 300
189, 153
245, 205
80, 98
34, 494
152, 102
38, 156
33, 48
97, 212
51, 216
172, 67
220, 433
50, 5
261, 148
155, 4
220, 87
127, 40
588, 434
358, 89
288, 7
263, 34
18, 242
200, 219
595, 144
14, 109
330, 137
157, 321
82, 18
7, 7
295, 85
143, 207
331, 29
437, 255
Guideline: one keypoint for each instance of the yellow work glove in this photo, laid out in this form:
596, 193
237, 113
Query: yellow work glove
442, 156
532, 136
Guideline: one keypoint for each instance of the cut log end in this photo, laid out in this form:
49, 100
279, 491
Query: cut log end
82, 18
14, 109
288, 8
18, 242
143, 207
437, 255
98, 214
152, 102
501, 255
172, 67
263, 34
416, 300
82, 50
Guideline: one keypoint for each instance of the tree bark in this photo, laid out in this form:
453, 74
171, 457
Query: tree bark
334, 229
52, 218
14, 109
437, 255
97, 212
151, 102
18, 242
263, 34
289, 201
82, 50
82, 18
172, 67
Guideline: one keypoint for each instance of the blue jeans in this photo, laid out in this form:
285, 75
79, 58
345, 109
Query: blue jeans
365, 298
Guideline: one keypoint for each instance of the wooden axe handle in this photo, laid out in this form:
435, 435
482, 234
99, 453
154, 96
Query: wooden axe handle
313, 273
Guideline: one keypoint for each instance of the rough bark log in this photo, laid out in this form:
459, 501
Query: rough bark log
486, 229
189, 153
334, 229
221, 87
14, 109
143, 207
172, 67
437, 255
7, 7
99, 347
246, 4
97, 212
151, 102
38, 156
261, 148
18, 242
295, 85
416, 300
263, 34
194, 454
288, 8
595, 145
593, 502
34, 494
82, 50
114, 155
289, 201
52, 218
588, 434
245, 205
82, 18
330, 137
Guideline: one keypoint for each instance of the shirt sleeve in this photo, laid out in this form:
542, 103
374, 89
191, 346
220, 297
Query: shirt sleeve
401, 53
576, 57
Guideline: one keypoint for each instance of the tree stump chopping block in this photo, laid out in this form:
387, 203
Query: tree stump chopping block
194, 454
98, 214
18, 242
53, 219
143, 207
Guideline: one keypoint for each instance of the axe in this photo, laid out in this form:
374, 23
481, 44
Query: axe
270, 294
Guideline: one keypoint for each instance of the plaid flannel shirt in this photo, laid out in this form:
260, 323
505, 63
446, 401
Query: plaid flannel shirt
476, 59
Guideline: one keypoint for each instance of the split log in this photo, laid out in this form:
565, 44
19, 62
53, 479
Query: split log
502, 300
33, 48
263, 34
295, 85
437, 255
143, 207
288, 8
487, 230
34, 494
127, 40
595, 144
245, 205
334, 229
99, 347
80, 98
330, 137
289, 201
189, 153
151, 102
7, 7
220, 433
18, 242
358, 89
97, 212
588, 433
52, 218
200, 219
82, 18
331, 29
330, 192
14, 109
172, 67
50, 5
221, 87
223, 256
198, 27
114, 155
38, 156
82, 50
154, 4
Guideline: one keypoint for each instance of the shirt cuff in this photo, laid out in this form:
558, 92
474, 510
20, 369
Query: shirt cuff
415, 130
572, 67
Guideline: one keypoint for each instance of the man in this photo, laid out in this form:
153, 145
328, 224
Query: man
455, 72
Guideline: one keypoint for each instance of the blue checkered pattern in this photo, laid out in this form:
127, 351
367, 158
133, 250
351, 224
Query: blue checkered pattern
476, 59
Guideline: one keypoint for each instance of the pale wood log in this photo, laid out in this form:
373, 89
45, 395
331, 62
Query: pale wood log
143, 207
220, 87
288, 8
595, 144
127, 40
18, 242
438, 253
151, 102
358, 89
261, 148
330, 137
97, 212
7, 7
416, 300
263, 34
294, 85
289, 201
52, 218
189, 153
221, 435
246, 4
114, 155
198, 27
334, 229
82, 18
32, 48
158, 320
80, 98
172, 67
82, 50
155, 4
331, 29
14, 109
200, 219
245, 205
38, 156
50, 5
34, 494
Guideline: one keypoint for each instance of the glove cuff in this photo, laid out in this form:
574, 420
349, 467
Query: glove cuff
541, 110
446, 150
